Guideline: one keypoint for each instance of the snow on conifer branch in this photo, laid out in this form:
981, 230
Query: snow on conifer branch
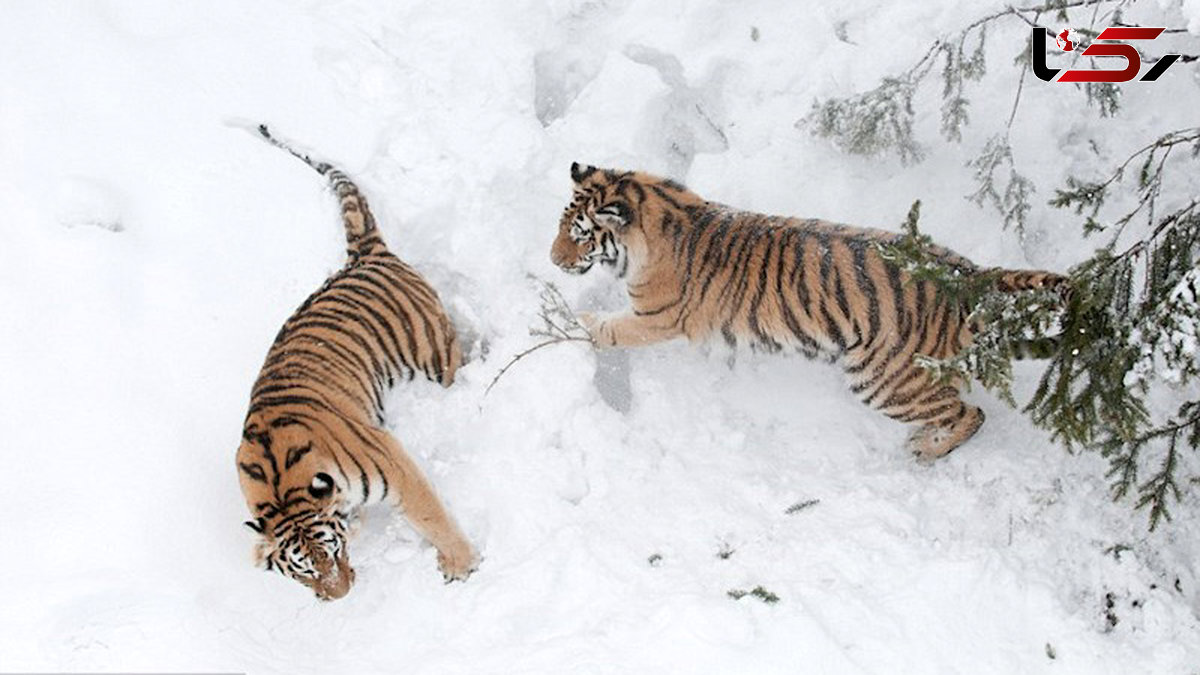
1006, 325
1127, 331
1132, 329
880, 121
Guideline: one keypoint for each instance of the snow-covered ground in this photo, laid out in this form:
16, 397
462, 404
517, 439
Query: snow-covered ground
150, 252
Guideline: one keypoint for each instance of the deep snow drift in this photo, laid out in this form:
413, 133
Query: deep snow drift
151, 252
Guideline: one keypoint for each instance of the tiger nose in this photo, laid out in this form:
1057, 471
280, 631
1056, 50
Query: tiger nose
331, 593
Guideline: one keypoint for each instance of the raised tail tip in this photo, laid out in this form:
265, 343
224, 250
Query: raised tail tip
263, 131
253, 127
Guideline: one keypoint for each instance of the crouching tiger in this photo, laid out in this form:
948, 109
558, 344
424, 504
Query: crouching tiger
698, 269
312, 448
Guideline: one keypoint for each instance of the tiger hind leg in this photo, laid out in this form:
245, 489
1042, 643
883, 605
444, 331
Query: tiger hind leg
889, 381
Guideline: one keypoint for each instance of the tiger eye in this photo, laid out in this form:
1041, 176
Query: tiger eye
321, 486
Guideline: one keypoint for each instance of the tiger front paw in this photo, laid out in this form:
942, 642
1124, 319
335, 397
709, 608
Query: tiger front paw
458, 564
596, 328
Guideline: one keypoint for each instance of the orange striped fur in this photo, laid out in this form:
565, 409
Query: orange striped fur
313, 450
698, 269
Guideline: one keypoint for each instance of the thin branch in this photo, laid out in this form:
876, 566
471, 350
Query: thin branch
1171, 139
559, 324
1177, 426
1021, 83
1037, 10
527, 352
1033, 23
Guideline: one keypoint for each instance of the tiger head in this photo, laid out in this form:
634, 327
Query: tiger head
298, 508
602, 223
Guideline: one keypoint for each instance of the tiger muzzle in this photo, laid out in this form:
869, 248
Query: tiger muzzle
334, 578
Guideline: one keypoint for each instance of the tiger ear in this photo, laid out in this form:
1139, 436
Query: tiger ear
579, 172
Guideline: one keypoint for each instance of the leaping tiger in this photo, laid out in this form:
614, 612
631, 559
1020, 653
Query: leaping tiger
698, 269
312, 450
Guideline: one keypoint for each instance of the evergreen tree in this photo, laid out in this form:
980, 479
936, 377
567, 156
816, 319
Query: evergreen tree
1124, 341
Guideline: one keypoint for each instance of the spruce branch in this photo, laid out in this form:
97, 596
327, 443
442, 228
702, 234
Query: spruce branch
1081, 396
1005, 325
960, 68
1169, 336
1164, 485
880, 121
1169, 250
1133, 325
1128, 326
1106, 96
800, 506
872, 123
1024, 61
916, 254
1089, 196
1129, 319
757, 592
1013, 204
